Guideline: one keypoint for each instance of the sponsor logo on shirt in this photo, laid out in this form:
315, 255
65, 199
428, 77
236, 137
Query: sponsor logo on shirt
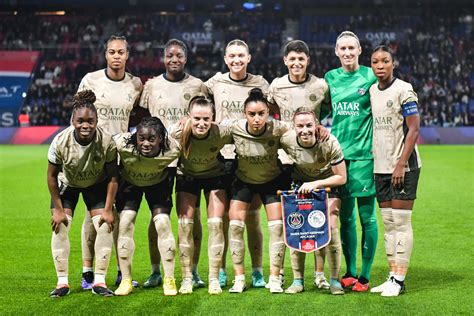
233, 106
383, 123
361, 91
172, 114
114, 114
346, 108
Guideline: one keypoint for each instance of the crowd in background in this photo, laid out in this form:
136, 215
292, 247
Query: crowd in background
434, 52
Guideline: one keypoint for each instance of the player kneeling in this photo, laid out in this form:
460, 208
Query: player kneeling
317, 165
82, 159
396, 164
144, 156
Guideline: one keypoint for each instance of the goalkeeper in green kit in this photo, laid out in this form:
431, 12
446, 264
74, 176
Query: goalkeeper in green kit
352, 125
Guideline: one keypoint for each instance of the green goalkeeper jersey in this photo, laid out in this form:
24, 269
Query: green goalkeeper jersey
351, 110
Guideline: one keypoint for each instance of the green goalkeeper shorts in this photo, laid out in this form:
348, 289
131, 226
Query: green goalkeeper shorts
360, 179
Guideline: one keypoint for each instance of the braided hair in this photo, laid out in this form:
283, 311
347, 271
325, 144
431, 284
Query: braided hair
156, 124
83, 99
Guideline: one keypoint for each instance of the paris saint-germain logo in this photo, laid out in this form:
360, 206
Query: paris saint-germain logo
295, 220
361, 91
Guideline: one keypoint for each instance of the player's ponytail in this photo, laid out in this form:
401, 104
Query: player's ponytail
256, 95
185, 139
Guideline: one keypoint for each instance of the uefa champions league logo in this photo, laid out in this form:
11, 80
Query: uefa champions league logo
316, 219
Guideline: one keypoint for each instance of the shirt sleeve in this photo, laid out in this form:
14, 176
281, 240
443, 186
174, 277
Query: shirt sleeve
54, 156
111, 153
336, 155
84, 84
209, 84
409, 101
145, 97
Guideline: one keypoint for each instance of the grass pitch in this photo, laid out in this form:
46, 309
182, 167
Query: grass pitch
440, 280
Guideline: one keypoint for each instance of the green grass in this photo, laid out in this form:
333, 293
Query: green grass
440, 280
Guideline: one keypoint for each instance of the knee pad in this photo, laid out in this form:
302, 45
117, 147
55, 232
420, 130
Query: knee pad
125, 247
404, 236
277, 245
60, 248
390, 232
88, 235
167, 249
186, 244
215, 249
185, 231
103, 245
236, 241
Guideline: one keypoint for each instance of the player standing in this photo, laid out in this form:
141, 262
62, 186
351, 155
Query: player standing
298, 89
144, 158
352, 125
396, 164
229, 91
117, 92
82, 159
256, 144
167, 97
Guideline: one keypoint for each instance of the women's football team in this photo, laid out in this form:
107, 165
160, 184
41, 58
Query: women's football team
238, 140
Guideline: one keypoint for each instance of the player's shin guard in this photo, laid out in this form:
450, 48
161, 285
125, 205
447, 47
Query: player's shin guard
155, 257
370, 233
254, 237
389, 234
236, 243
60, 249
88, 235
277, 245
186, 245
404, 246
297, 263
333, 251
215, 248
102, 247
197, 236
349, 234
126, 243
166, 243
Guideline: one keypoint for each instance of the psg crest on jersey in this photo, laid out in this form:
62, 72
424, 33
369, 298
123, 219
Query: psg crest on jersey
306, 220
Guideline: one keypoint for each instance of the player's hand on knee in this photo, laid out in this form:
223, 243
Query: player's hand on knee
107, 217
57, 218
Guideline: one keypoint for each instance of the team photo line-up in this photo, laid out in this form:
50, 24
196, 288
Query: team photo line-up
237, 139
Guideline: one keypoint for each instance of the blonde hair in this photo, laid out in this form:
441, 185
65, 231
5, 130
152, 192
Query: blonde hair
185, 140
237, 42
348, 34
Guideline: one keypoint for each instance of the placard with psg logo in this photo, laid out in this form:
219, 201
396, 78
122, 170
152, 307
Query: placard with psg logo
306, 219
